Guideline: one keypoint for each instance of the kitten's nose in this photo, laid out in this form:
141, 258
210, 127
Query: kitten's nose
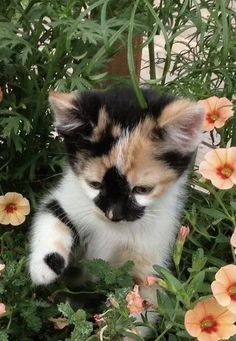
115, 213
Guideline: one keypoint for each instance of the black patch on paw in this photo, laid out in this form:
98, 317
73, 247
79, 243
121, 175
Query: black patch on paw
56, 262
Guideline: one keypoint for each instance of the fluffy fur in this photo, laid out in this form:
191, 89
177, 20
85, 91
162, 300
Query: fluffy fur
123, 188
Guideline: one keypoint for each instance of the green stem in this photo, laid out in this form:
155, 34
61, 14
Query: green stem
232, 219
152, 59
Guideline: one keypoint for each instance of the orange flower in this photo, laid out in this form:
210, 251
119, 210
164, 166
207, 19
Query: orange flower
217, 112
2, 309
135, 302
233, 238
224, 287
220, 167
13, 209
209, 321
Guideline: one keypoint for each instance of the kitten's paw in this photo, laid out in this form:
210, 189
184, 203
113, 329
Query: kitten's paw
46, 270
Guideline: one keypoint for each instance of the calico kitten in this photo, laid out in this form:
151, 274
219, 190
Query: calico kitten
123, 187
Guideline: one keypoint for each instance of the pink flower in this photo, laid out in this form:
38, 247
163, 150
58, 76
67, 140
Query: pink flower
183, 233
2, 309
217, 112
224, 287
220, 167
99, 319
135, 302
151, 280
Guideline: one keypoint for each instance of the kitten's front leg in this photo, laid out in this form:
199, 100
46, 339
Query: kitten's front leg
51, 243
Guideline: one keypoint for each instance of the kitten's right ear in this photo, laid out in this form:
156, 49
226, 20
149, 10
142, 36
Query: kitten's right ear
65, 111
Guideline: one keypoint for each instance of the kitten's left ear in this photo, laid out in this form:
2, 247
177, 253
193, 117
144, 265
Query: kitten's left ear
65, 110
182, 120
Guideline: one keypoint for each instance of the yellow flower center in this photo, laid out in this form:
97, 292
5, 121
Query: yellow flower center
225, 171
208, 325
212, 116
232, 292
10, 208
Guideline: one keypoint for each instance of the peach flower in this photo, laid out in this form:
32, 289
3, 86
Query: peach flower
217, 112
59, 322
13, 208
219, 167
224, 287
209, 321
233, 238
135, 302
2, 268
2, 309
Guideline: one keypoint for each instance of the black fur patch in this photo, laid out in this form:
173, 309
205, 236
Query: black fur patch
55, 208
177, 161
116, 196
56, 262
123, 109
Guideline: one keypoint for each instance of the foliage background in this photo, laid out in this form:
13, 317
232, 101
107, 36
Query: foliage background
66, 45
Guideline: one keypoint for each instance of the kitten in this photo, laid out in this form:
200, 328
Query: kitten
123, 188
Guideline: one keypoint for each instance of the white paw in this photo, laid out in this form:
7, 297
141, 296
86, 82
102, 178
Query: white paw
45, 270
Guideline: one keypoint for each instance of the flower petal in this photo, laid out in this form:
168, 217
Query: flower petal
226, 275
13, 197
16, 218
220, 293
220, 183
4, 218
192, 323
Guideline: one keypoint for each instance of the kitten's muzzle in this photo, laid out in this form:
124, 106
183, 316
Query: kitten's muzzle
115, 213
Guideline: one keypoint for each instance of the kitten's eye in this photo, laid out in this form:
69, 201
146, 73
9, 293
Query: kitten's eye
142, 189
95, 184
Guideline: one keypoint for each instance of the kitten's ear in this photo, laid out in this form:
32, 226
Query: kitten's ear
65, 111
182, 120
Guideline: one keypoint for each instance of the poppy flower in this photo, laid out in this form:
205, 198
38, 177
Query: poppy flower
224, 287
13, 208
219, 167
217, 112
209, 321
136, 304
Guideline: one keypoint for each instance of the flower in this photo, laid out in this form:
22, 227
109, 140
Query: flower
136, 304
99, 319
2, 309
151, 280
183, 233
2, 268
217, 112
224, 287
178, 248
209, 321
219, 167
233, 238
59, 322
13, 208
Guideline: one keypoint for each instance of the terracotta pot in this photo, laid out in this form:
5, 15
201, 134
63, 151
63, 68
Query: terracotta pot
118, 66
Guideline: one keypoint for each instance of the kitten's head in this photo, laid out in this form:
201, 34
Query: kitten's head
126, 157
